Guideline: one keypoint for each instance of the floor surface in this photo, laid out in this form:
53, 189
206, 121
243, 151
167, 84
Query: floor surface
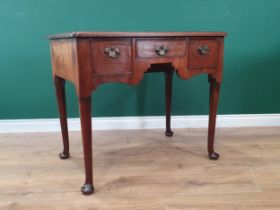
143, 170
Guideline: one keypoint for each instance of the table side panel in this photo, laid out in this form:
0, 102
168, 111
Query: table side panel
64, 59
219, 73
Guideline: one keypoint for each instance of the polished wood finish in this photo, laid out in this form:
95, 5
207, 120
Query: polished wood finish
145, 48
141, 170
104, 65
89, 59
85, 115
213, 103
198, 61
86, 34
60, 95
168, 101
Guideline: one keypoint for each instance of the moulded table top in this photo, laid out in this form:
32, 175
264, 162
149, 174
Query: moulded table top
134, 34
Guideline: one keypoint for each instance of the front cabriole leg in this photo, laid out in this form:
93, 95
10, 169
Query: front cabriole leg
85, 116
213, 102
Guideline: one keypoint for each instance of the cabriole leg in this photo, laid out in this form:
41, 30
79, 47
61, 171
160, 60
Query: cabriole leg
85, 116
168, 99
213, 101
61, 101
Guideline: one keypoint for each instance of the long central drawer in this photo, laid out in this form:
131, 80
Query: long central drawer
160, 48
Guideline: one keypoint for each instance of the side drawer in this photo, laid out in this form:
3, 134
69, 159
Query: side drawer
203, 53
158, 48
111, 56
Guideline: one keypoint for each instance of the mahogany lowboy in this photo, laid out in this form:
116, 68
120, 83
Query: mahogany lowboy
89, 59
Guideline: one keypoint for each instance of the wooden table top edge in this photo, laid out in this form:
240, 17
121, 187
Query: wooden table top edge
82, 34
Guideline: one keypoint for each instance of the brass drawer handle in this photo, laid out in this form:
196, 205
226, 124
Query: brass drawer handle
112, 52
203, 50
162, 50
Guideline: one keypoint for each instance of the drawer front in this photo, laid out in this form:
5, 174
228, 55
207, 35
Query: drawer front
160, 48
111, 56
203, 53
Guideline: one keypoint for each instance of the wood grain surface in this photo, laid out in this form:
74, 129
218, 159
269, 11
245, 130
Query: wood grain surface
143, 170
89, 59
133, 34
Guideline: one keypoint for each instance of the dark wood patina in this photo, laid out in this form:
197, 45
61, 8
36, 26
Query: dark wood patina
89, 59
